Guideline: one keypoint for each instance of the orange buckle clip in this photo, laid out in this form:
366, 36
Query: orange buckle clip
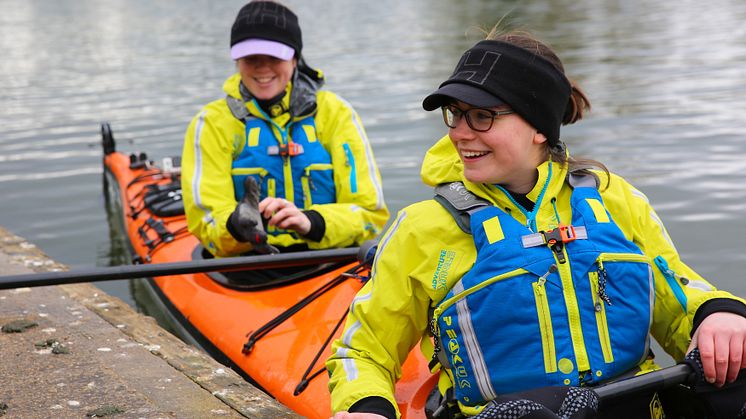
567, 233
563, 233
291, 149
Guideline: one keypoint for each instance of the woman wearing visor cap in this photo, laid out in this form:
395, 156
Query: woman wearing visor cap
535, 272
278, 139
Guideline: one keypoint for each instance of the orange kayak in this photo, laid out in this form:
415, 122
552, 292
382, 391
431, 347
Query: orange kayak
277, 333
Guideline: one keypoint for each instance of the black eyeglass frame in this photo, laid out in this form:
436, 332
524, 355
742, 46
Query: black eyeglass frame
466, 113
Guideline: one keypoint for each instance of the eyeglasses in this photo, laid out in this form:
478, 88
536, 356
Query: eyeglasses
478, 119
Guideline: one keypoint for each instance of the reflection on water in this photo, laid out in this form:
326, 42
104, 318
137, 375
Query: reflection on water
666, 79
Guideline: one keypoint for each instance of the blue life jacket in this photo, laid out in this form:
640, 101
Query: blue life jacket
287, 162
568, 307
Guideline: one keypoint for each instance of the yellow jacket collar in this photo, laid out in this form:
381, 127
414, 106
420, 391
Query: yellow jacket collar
232, 88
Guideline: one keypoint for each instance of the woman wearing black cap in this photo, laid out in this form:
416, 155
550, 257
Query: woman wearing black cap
532, 269
300, 151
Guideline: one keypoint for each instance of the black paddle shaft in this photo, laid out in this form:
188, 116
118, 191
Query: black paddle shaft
175, 268
650, 382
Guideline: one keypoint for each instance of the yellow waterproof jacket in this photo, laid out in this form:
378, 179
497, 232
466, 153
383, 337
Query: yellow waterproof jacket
215, 138
389, 316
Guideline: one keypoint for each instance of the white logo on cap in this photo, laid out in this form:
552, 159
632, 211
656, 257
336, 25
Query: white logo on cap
269, 12
489, 58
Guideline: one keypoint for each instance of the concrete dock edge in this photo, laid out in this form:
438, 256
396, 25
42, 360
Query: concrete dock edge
95, 326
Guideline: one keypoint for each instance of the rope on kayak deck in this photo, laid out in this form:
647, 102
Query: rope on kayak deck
272, 324
305, 379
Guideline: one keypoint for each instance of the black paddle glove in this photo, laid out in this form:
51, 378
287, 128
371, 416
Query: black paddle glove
544, 403
245, 223
726, 402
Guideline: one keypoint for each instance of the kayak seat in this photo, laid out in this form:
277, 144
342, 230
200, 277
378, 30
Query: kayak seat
257, 280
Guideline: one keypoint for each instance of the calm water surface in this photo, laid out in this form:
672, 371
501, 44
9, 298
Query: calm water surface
667, 80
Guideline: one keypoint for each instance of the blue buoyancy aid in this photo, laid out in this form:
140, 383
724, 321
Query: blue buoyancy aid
294, 166
568, 307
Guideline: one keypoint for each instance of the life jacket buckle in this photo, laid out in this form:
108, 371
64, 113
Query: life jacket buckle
562, 234
290, 149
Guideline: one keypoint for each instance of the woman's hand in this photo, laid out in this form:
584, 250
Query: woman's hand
721, 339
283, 214
348, 415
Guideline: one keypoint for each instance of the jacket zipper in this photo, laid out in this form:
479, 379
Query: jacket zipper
271, 192
674, 280
601, 322
601, 299
545, 325
307, 183
353, 171
573, 315
250, 171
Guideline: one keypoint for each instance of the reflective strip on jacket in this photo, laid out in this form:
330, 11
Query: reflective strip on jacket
215, 138
424, 254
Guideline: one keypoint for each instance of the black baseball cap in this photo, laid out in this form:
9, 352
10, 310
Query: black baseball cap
492, 73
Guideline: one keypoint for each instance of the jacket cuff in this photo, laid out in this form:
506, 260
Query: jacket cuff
717, 305
318, 226
374, 404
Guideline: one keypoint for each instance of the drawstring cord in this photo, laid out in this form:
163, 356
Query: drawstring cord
530, 215
556, 213
284, 133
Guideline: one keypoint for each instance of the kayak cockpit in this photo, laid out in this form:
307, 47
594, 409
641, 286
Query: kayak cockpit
264, 278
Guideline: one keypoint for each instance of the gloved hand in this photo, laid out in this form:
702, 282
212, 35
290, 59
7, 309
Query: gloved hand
544, 403
245, 223
728, 401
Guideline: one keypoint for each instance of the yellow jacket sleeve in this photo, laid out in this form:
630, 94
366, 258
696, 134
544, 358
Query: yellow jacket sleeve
360, 212
389, 316
206, 182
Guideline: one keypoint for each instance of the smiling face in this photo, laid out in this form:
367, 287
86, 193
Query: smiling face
507, 154
265, 76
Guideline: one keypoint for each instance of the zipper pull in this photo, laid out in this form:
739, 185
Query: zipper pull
543, 278
667, 271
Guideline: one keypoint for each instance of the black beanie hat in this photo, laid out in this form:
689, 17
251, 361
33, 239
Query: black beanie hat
267, 20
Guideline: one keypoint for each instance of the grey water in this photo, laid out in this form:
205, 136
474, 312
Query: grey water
667, 80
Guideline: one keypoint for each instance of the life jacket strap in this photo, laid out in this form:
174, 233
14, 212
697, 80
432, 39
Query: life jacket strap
563, 233
582, 177
237, 108
459, 202
291, 149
